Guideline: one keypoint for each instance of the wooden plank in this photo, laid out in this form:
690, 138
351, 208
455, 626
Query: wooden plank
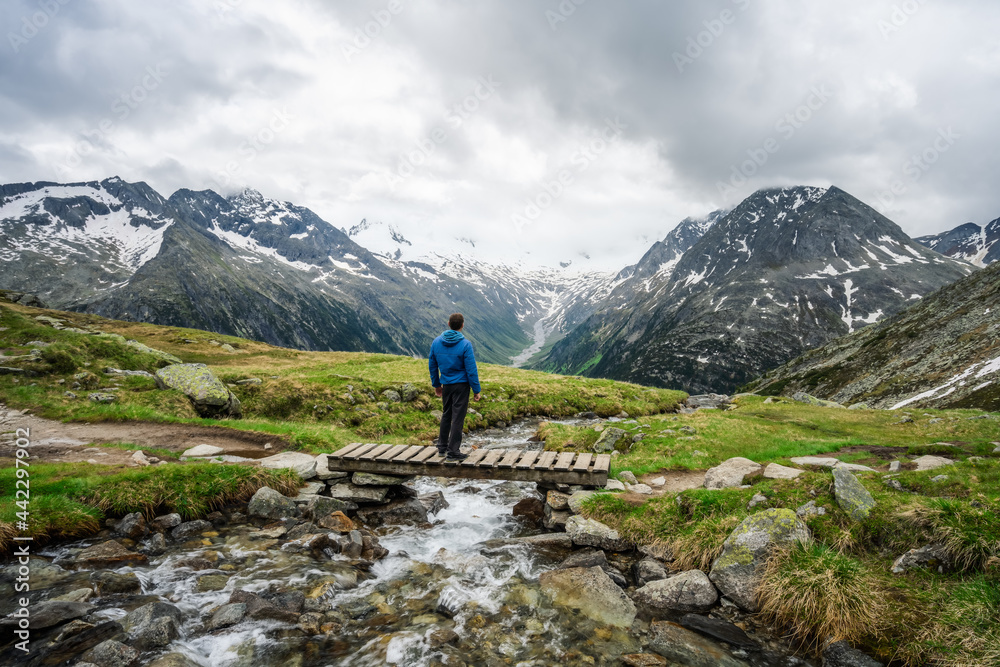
343, 451
408, 453
535, 474
545, 461
475, 457
370, 456
363, 449
424, 455
435, 460
392, 453
490, 459
509, 459
582, 462
527, 460
602, 463
564, 461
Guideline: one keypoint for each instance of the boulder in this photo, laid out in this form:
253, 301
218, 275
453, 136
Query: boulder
852, 497
628, 477
530, 510
732, 473
433, 502
737, 571
150, 612
165, 522
932, 462
576, 500
682, 646
304, 465
321, 506
112, 583
612, 439
591, 592
77, 595
658, 481
132, 526
323, 471
173, 660
108, 554
775, 471
392, 396
641, 489
647, 570
408, 511
690, 591
852, 467
591, 533
371, 479
842, 654
585, 558
210, 397
227, 615
201, 451
554, 519
269, 504
409, 393
337, 522
547, 541
614, 485
803, 397
932, 557
190, 529
50, 613
817, 461
557, 501
718, 629
359, 494
113, 653
155, 634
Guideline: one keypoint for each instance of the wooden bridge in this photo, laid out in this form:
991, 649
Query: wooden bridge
509, 464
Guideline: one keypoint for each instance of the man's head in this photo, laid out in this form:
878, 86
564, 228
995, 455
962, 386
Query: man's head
456, 322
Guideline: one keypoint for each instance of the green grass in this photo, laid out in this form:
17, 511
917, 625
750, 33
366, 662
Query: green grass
71, 500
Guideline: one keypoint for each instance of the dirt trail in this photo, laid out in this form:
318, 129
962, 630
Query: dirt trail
58, 442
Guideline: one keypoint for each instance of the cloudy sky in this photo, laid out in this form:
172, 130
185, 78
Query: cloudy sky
542, 131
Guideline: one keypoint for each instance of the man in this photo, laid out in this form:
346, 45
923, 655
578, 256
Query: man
452, 356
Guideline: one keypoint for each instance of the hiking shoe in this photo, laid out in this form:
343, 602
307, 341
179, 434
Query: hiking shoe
457, 457
442, 452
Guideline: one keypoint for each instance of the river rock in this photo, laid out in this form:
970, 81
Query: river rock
932, 556
155, 634
685, 592
548, 541
932, 462
433, 502
530, 510
112, 583
113, 653
614, 485
321, 506
173, 660
210, 397
736, 572
108, 554
227, 615
53, 612
852, 497
627, 477
648, 570
337, 522
842, 654
399, 512
554, 520
732, 473
557, 500
371, 479
190, 529
208, 583
359, 494
165, 522
304, 465
817, 461
590, 591
78, 595
323, 471
132, 526
592, 533
585, 558
576, 500
150, 612
202, 451
612, 439
717, 629
682, 646
156, 545
775, 471
643, 660
269, 504
352, 544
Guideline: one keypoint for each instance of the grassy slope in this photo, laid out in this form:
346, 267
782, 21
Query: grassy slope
843, 586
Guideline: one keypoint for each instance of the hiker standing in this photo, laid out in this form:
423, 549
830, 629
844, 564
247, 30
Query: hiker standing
452, 356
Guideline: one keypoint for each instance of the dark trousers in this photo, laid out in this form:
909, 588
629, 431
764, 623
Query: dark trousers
456, 404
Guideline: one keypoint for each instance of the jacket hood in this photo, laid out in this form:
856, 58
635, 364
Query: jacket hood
452, 337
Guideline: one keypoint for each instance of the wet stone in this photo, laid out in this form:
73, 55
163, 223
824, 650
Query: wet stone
190, 529
227, 615
212, 582
584, 558
648, 570
112, 653
269, 504
165, 522
108, 554
717, 629
112, 583
132, 526
688, 648
644, 660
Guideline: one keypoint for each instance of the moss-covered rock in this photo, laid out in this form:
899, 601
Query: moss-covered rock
852, 497
210, 397
737, 571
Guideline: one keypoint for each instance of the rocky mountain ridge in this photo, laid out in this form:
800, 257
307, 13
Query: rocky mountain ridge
978, 244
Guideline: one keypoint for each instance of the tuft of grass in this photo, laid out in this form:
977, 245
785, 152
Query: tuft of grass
820, 593
970, 535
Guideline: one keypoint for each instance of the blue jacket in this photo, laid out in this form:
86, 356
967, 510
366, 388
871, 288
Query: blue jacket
452, 355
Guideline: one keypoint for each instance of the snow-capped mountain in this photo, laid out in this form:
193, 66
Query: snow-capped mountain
979, 244
785, 271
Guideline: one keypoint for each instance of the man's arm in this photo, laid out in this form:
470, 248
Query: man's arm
472, 371
432, 366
